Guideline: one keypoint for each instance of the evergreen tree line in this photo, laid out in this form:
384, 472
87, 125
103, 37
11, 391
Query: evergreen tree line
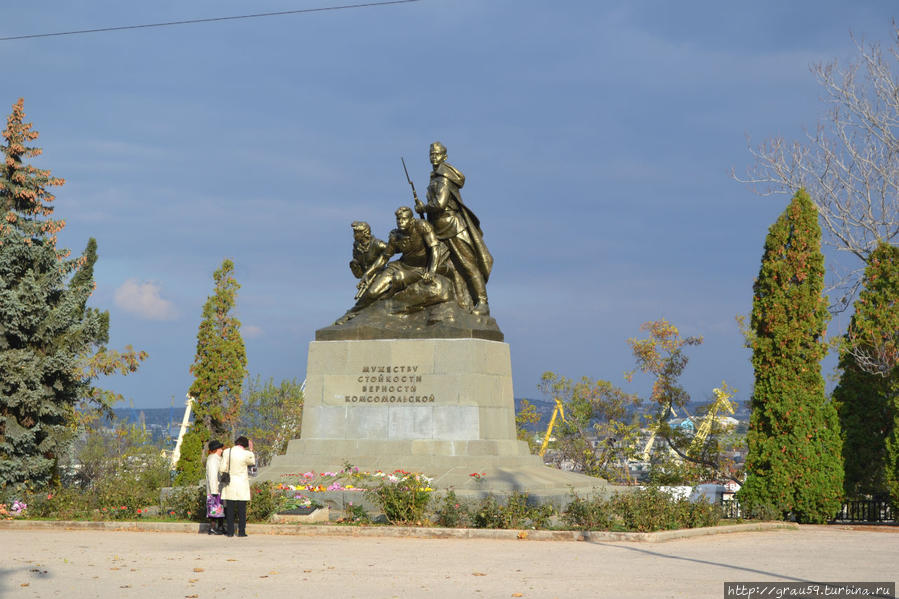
808, 451
53, 350
49, 337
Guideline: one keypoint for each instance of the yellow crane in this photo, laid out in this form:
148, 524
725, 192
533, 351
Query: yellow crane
722, 402
647, 449
560, 411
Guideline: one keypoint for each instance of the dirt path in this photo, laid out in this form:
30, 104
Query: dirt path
81, 564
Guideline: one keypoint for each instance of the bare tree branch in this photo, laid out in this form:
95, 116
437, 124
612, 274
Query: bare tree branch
849, 166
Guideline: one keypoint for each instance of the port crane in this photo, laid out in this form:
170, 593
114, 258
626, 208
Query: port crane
559, 410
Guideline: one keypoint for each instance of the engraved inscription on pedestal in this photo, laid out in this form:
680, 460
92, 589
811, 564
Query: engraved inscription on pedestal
410, 389
389, 384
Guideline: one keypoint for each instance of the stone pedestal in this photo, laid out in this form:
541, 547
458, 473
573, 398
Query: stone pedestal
443, 407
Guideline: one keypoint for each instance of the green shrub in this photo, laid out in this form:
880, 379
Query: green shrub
645, 510
519, 513
266, 499
403, 497
698, 514
135, 485
186, 503
514, 513
650, 508
59, 504
488, 513
354, 514
451, 512
763, 511
539, 515
641, 510
111, 495
595, 513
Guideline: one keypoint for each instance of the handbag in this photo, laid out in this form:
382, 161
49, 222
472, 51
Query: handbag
225, 477
214, 507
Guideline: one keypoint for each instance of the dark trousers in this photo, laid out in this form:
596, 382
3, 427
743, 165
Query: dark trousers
239, 509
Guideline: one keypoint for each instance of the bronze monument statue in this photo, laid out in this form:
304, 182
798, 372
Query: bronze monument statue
416, 374
457, 226
414, 274
438, 286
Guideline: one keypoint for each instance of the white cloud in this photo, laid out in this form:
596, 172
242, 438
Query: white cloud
251, 331
143, 299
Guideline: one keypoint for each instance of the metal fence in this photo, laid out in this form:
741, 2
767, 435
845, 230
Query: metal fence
731, 509
866, 510
854, 510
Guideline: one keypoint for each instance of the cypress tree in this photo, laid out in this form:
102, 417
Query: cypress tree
793, 464
219, 368
868, 399
45, 326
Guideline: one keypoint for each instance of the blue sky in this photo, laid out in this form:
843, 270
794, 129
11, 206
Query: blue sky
597, 140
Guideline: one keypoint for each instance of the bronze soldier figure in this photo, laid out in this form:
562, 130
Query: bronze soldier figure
366, 248
419, 247
458, 227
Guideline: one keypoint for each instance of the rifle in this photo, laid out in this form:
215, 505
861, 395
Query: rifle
414, 194
363, 286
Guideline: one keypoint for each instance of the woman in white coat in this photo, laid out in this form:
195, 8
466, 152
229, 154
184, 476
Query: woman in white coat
214, 510
236, 494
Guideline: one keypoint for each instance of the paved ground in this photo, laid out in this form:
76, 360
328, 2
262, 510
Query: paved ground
81, 564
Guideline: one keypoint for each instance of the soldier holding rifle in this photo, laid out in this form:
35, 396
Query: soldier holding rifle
457, 226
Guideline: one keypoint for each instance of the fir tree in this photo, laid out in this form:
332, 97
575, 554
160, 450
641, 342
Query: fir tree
219, 368
45, 326
793, 464
867, 398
